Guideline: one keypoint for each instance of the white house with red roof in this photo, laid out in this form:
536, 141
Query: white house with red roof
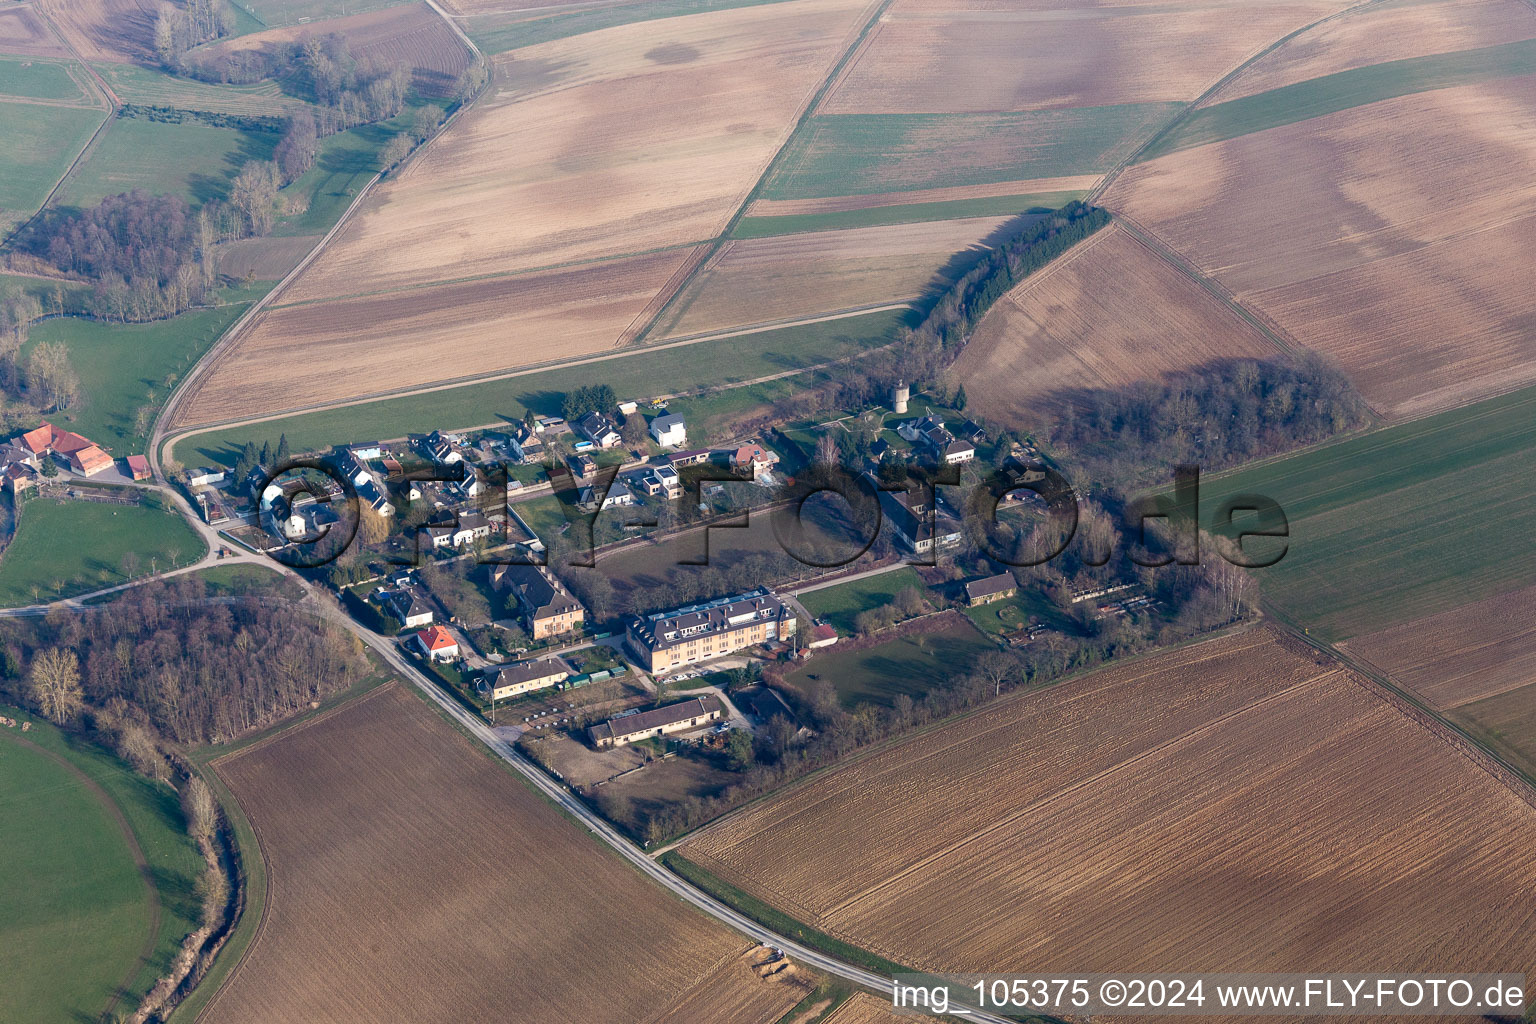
437, 643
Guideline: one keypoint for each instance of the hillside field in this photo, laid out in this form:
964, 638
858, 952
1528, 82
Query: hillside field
449, 830
1108, 313
194, 161
1401, 523
1387, 236
41, 141
90, 918
650, 137
1211, 807
63, 548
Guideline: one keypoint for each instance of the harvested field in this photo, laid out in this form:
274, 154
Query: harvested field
301, 355
1378, 34
1467, 654
113, 30
1392, 238
1109, 313
1216, 807
487, 893
23, 32
622, 141
864, 1008
413, 34
959, 56
761, 280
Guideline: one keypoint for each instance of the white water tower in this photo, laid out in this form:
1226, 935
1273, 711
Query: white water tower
900, 394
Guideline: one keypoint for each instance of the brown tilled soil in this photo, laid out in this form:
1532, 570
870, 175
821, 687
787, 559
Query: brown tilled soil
1239, 804
1392, 237
1109, 313
412, 878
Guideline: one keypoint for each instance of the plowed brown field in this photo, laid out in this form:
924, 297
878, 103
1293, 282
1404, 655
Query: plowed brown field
629, 140
759, 280
306, 354
23, 32
959, 55
114, 30
1460, 656
1109, 313
1239, 804
414, 35
1385, 32
864, 1008
1393, 237
412, 879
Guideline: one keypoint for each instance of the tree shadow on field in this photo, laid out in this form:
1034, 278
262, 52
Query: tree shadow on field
964, 261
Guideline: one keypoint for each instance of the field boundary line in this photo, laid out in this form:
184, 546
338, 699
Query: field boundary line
807, 111
1203, 729
292, 727
1378, 683
140, 862
1273, 332
172, 438
1221, 83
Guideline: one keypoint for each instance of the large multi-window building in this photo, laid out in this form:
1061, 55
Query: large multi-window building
699, 632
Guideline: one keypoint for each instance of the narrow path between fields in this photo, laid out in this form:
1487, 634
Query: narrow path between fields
151, 891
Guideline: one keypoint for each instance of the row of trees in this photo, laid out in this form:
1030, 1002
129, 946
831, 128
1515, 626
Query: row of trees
179, 666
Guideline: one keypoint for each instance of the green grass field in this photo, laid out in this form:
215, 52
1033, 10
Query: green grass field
38, 79
911, 213
1506, 724
194, 161
498, 33
909, 664
841, 604
1333, 93
40, 143
647, 372
152, 88
64, 548
857, 154
124, 367
243, 578
1399, 523
86, 916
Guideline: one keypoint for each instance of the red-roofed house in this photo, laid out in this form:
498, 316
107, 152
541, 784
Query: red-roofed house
138, 467
437, 643
753, 458
39, 440
823, 636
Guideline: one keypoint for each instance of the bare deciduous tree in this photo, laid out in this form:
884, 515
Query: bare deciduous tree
55, 684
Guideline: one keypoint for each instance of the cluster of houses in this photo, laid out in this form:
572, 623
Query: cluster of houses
930, 435
22, 458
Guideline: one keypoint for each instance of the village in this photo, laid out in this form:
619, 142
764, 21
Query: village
460, 544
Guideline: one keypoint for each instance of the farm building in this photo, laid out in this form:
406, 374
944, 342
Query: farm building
522, 677
82, 455
437, 643
690, 714
823, 636
993, 588
667, 640
138, 467
544, 606
205, 477
669, 430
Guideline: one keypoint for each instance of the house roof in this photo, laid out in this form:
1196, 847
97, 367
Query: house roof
138, 464
823, 632
39, 439
535, 590
436, 638
999, 584
667, 422
522, 671
658, 718
751, 453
